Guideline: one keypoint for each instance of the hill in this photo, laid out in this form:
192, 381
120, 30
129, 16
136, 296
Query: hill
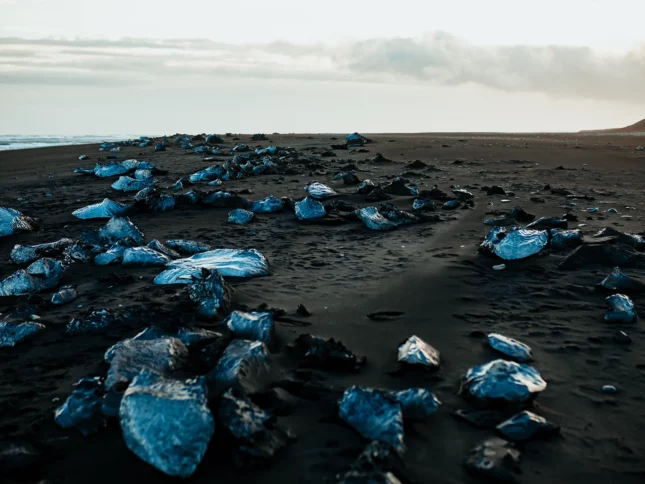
634, 128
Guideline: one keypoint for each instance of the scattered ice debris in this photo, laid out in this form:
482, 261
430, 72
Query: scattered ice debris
211, 294
510, 347
499, 267
167, 422
417, 403
144, 257
13, 333
160, 147
12, 222
243, 365
415, 351
127, 358
609, 389
544, 223
24, 254
269, 150
621, 309
256, 326
516, 244
325, 354
118, 228
150, 199
373, 220
565, 239
503, 382
527, 425
82, 409
309, 209
39, 276
127, 184
239, 216
617, 281
494, 459
266, 205
190, 247
228, 262
106, 209
320, 191
92, 322
65, 294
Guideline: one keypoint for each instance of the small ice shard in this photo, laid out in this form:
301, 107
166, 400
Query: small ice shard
609, 389
211, 294
127, 184
269, 204
366, 186
462, 194
527, 425
256, 326
39, 276
373, 220
13, 333
617, 281
239, 216
25, 254
451, 204
106, 209
325, 354
144, 257
309, 209
113, 168
320, 191
269, 150
494, 459
243, 365
621, 309
240, 148
118, 228
190, 247
128, 357
415, 351
499, 267
82, 409
228, 262
92, 322
166, 422
159, 247
503, 381
64, 295
510, 347
83, 157
565, 239
12, 222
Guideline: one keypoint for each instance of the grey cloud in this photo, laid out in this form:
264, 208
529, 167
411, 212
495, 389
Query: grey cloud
439, 58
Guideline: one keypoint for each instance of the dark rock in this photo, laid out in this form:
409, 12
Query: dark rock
603, 254
480, 419
324, 354
377, 195
494, 459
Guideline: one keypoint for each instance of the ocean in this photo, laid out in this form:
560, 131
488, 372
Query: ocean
20, 142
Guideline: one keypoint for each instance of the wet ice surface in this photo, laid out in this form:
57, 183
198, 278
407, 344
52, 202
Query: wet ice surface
374, 220
309, 209
14, 333
40, 276
12, 221
621, 309
415, 351
510, 347
253, 326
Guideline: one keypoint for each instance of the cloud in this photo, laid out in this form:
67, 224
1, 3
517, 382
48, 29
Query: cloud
437, 58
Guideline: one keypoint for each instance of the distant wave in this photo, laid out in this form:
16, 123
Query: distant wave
21, 142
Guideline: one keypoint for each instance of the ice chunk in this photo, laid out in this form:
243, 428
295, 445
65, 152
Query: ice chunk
82, 409
309, 209
415, 351
545, 223
526, 425
208, 174
417, 403
190, 247
13, 333
106, 209
113, 255
118, 228
159, 247
517, 244
621, 309
211, 294
12, 221
243, 365
510, 347
239, 216
167, 422
617, 281
92, 322
24, 254
127, 184
64, 295
565, 239
355, 139
144, 257
266, 205
325, 354
252, 326
494, 459
39, 276
374, 220
320, 191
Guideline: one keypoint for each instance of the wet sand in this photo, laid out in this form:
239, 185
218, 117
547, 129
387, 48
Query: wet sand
447, 293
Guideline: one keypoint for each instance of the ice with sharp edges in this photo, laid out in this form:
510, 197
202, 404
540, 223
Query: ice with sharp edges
354, 139
415, 351
266, 205
373, 220
417, 403
617, 281
64, 295
621, 309
159, 247
309, 209
502, 380
526, 425
113, 168
144, 257
208, 174
13, 333
113, 255
242, 360
118, 228
320, 191
565, 239
211, 294
239, 216
516, 244
82, 409
41, 275
127, 184
257, 326
106, 209
12, 221
93, 322
24, 254
166, 422
510, 347
190, 247
228, 262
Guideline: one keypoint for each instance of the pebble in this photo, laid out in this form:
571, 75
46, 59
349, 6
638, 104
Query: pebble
612, 210
499, 267
622, 337
609, 389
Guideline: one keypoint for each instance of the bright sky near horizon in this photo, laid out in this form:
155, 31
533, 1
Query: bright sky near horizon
161, 66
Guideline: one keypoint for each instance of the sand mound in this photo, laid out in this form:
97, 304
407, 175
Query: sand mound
634, 128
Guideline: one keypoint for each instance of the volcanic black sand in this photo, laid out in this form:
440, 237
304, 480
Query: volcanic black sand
447, 293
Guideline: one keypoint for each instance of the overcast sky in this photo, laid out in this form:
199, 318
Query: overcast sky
161, 66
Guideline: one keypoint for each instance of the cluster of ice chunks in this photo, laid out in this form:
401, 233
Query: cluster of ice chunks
309, 209
106, 209
621, 309
415, 351
373, 220
12, 221
13, 333
239, 216
228, 262
167, 422
116, 168
255, 326
94, 321
325, 354
244, 365
40, 276
510, 347
516, 244
83, 408
210, 293
25, 254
